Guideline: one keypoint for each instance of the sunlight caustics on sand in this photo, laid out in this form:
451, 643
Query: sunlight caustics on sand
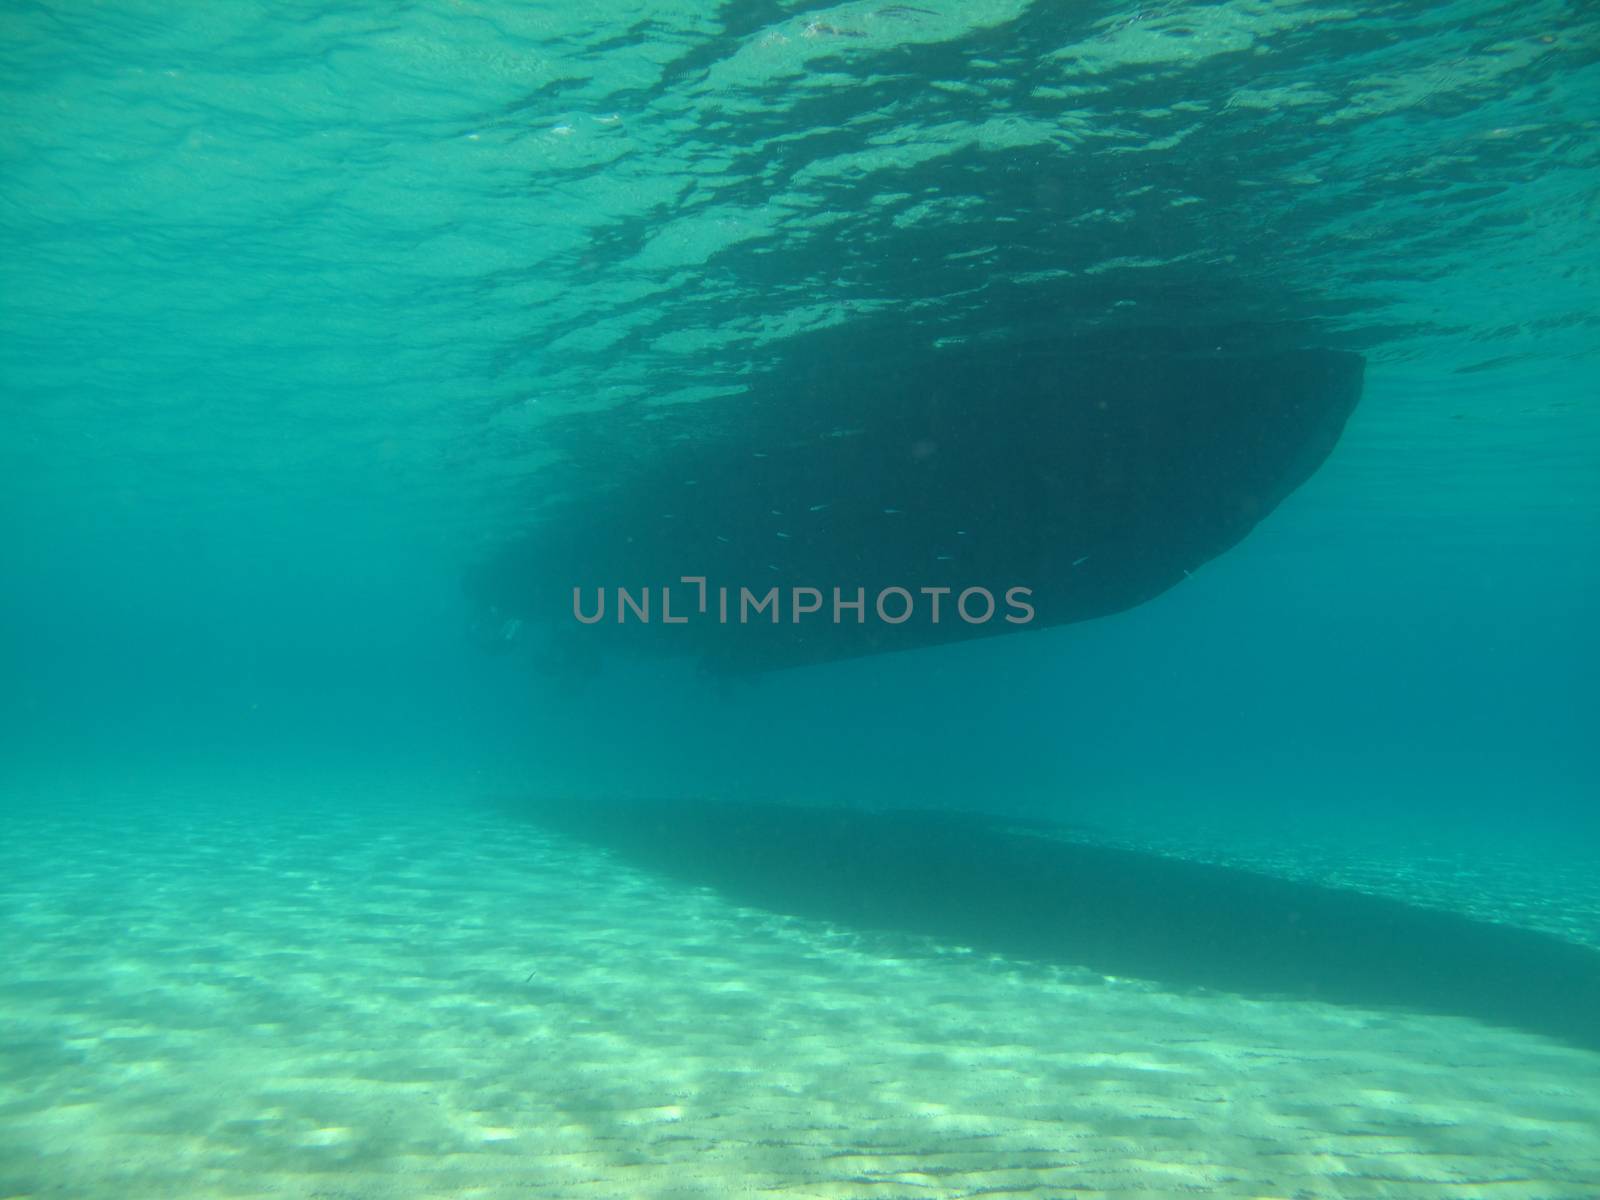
349, 1003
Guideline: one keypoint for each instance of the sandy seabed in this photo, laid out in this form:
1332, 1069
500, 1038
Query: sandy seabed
376, 1003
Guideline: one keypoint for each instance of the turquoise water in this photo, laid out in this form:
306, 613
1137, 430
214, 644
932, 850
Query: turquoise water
304, 306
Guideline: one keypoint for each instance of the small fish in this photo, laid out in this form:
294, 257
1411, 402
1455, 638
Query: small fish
891, 511
777, 512
944, 557
782, 534
720, 538
770, 567
818, 507
757, 454
1078, 562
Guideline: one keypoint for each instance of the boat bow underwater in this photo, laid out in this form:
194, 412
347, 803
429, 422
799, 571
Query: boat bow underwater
862, 499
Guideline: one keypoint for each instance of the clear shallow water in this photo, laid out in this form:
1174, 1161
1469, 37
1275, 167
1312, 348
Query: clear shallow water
412, 997
294, 298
